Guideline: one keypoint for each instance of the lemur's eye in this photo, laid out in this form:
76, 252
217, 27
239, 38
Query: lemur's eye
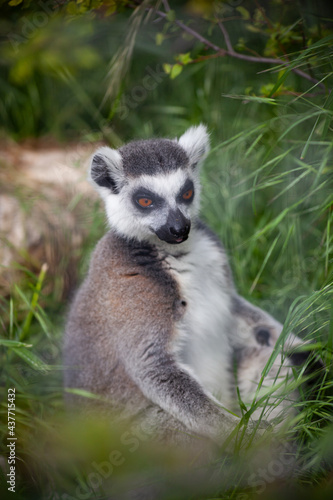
145, 202
188, 194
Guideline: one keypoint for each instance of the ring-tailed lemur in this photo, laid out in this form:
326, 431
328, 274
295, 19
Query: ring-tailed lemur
157, 322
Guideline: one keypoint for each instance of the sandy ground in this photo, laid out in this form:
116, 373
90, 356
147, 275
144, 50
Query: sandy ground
45, 206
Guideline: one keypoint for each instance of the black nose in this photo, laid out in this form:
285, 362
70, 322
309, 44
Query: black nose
180, 232
176, 229
178, 225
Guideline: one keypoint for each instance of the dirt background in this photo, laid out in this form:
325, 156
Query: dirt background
47, 207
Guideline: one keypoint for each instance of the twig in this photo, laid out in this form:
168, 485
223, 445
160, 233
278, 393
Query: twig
194, 33
226, 37
232, 53
270, 60
269, 24
166, 5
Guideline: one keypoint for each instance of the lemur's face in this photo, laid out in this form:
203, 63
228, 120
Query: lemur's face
159, 206
151, 188
164, 204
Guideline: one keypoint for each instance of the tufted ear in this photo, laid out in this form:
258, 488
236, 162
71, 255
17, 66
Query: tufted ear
106, 169
195, 142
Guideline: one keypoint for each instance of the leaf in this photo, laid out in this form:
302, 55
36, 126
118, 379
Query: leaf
308, 347
13, 3
31, 359
258, 99
167, 68
159, 38
185, 58
252, 28
187, 36
268, 254
34, 301
13, 343
83, 393
72, 8
328, 105
111, 10
244, 13
171, 16
330, 333
176, 70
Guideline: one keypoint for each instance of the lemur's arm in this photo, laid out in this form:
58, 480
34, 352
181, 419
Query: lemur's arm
170, 386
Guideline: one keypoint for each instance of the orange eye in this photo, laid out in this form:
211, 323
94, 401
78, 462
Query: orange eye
188, 194
145, 202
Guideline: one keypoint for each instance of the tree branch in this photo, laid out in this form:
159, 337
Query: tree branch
232, 53
268, 60
166, 5
226, 37
195, 34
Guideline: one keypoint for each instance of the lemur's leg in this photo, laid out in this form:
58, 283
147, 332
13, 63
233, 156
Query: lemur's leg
257, 334
256, 327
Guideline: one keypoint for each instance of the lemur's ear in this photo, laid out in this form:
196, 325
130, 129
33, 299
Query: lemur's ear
195, 141
106, 169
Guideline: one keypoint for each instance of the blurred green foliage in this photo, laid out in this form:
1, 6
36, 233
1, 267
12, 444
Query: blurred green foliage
58, 63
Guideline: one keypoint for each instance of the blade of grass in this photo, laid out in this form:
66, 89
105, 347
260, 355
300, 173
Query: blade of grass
13, 343
11, 318
328, 239
330, 336
266, 259
31, 359
327, 104
33, 304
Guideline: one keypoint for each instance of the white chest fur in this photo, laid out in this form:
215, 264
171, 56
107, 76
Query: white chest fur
204, 345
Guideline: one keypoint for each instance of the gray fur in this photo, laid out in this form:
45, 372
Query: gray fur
119, 339
155, 325
152, 157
